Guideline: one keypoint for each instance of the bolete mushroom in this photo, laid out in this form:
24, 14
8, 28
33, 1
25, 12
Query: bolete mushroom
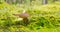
24, 16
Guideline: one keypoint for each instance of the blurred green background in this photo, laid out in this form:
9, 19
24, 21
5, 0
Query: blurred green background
44, 15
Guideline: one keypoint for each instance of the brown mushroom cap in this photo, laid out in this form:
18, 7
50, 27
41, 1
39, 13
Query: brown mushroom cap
22, 15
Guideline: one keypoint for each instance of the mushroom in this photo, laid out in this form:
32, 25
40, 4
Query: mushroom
24, 16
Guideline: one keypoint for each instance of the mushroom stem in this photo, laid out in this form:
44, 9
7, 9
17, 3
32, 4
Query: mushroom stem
26, 21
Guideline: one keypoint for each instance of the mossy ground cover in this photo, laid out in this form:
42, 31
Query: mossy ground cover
43, 18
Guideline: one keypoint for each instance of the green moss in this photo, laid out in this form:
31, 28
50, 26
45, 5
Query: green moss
45, 18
